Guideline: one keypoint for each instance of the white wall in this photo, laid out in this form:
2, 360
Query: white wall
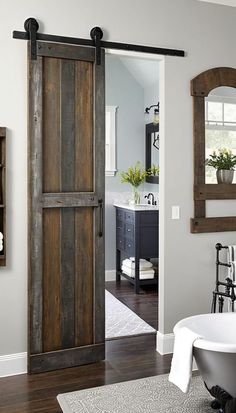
207, 32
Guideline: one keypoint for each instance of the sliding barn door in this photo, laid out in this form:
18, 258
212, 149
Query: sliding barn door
66, 194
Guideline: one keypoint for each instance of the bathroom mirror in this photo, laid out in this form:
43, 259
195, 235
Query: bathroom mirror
220, 125
214, 97
152, 151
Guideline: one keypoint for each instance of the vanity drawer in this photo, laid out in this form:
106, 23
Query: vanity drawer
129, 216
129, 230
129, 247
120, 214
120, 243
119, 228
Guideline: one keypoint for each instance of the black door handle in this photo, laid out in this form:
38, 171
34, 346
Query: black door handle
100, 205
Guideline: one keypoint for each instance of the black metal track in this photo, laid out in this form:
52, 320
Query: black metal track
104, 44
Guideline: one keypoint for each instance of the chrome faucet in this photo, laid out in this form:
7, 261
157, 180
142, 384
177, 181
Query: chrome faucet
150, 195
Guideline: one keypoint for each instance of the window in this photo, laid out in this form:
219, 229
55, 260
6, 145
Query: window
220, 123
111, 140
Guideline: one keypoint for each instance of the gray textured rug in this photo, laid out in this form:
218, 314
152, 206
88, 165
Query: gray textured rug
149, 395
121, 321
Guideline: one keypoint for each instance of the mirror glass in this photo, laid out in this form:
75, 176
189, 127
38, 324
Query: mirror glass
220, 125
155, 148
152, 151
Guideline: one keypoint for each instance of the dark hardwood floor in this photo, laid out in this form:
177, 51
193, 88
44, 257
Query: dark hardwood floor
144, 304
126, 359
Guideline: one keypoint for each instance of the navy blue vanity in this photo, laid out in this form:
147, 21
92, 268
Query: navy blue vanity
137, 231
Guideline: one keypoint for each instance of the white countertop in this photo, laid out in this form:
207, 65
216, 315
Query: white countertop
138, 207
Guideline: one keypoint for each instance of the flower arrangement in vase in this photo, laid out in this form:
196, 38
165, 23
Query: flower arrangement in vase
135, 176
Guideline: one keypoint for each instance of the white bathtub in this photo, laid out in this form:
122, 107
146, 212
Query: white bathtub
215, 353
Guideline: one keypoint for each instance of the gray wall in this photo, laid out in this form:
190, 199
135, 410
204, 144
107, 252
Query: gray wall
187, 261
124, 91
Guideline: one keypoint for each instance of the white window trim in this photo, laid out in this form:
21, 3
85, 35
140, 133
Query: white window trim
112, 141
219, 125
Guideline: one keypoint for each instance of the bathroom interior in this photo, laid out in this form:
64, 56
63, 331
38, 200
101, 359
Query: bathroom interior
132, 140
66, 298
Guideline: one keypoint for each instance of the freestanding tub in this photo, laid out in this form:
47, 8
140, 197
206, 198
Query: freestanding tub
215, 353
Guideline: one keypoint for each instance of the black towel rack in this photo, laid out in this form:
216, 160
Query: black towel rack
223, 289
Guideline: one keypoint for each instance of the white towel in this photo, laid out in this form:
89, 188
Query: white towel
142, 263
182, 361
1, 241
232, 277
231, 253
232, 271
143, 275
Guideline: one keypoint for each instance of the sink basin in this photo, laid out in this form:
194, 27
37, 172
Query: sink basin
146, 206
138, 207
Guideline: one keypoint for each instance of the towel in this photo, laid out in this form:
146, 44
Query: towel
232, 277
232, 260
143, 275
232, 271
1, 241
142, 263
182, 361
231, 253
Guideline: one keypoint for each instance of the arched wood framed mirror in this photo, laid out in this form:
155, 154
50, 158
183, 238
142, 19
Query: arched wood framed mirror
208, 86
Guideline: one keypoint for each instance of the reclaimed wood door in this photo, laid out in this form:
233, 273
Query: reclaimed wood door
66, 192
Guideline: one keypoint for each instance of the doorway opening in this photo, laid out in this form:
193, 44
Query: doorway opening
132, 214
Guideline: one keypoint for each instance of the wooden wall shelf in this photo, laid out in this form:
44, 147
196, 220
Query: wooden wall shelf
214, 191
3, 193
216, 224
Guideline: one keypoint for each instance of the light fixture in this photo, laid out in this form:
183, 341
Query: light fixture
155, 112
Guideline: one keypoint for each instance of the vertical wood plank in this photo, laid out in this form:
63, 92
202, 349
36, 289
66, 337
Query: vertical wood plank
68, 214
51, 280
52, 125
84, 168
84, 291
35, 253
99, 242
199, 151
52, 219
67, 125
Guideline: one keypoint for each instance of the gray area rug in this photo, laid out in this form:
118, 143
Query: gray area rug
121, 321
149, 395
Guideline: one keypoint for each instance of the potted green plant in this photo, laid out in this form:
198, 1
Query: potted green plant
134, 176
154, 170
224, 162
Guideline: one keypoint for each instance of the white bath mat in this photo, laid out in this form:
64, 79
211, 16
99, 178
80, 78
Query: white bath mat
121, 321
149, 395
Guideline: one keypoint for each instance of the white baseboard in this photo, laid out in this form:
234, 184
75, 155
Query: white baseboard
110, 275
165, 343
13, 364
